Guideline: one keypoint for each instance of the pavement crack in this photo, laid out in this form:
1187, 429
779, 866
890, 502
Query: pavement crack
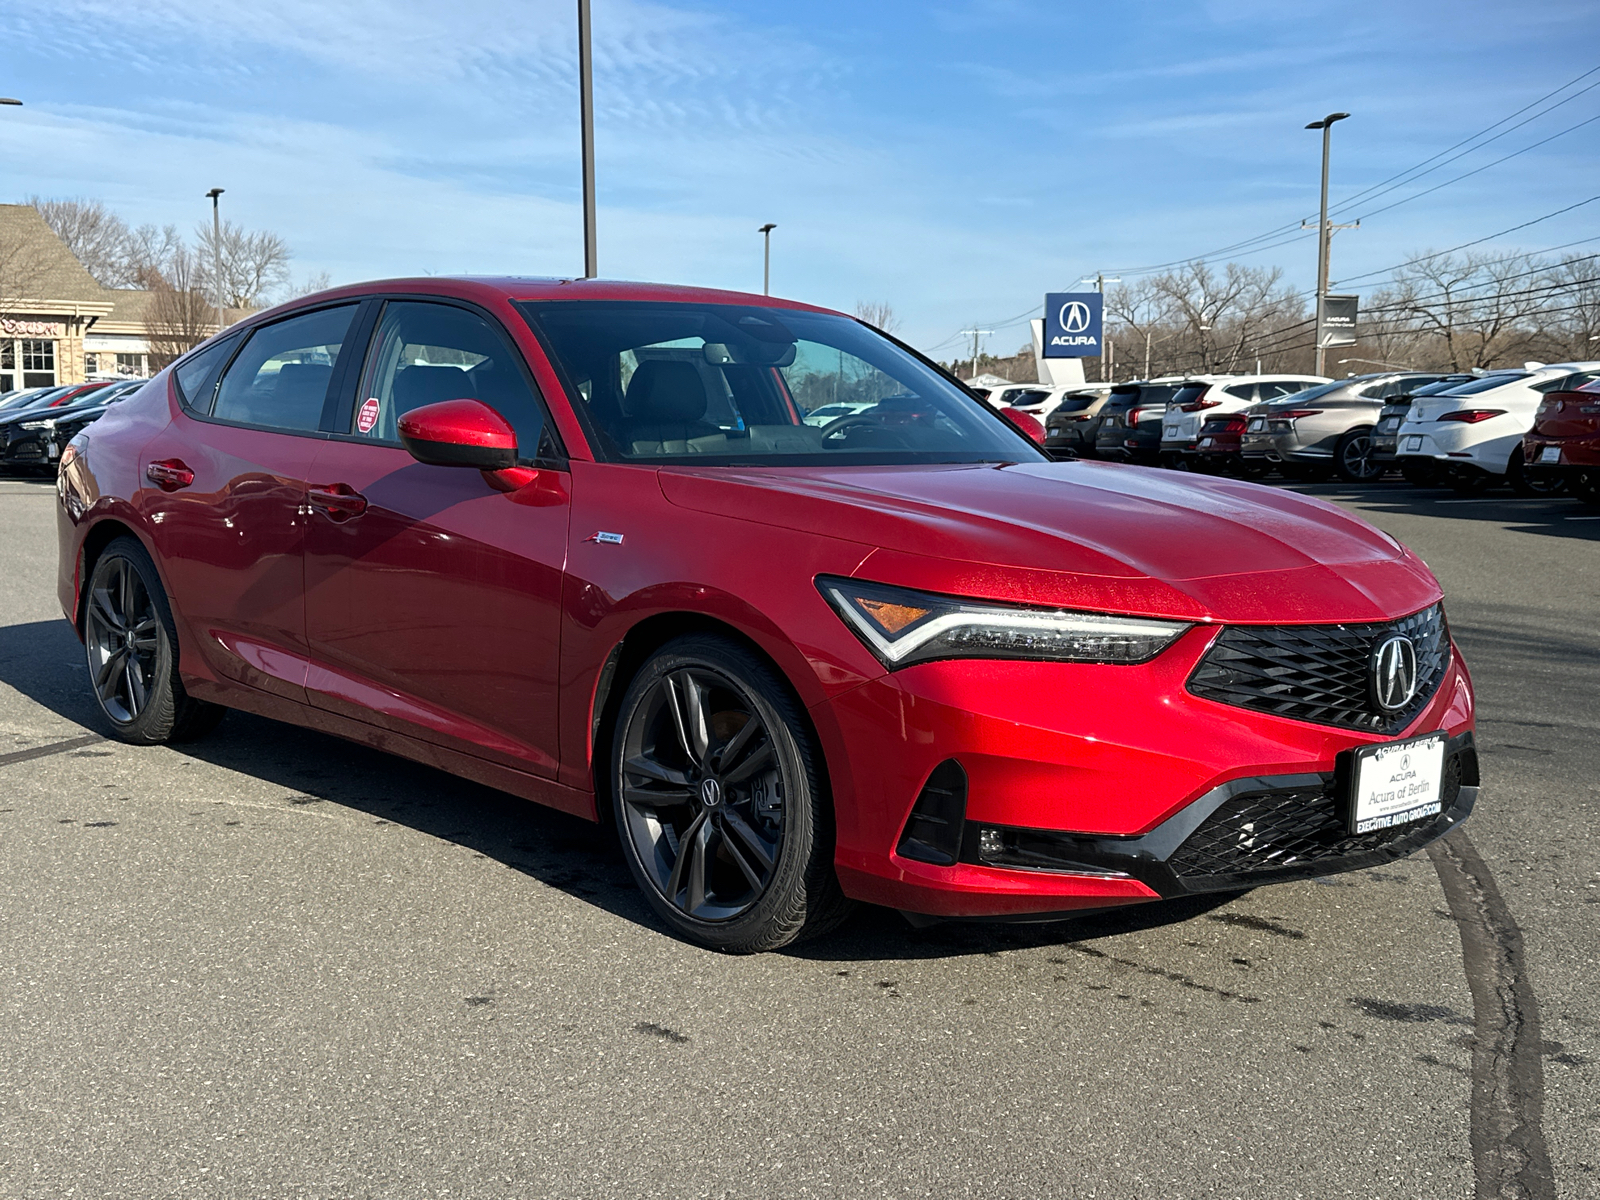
1509, 1155
1174, 976
1258, 923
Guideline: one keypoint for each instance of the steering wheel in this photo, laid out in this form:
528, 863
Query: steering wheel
843, 424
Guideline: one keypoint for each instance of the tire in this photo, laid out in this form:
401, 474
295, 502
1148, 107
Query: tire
1532, 483
1419, 472
1352, 457
736, 858
1585, 486
132, 648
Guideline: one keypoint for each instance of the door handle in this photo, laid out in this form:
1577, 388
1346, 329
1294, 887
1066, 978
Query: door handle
169, 474
337, 501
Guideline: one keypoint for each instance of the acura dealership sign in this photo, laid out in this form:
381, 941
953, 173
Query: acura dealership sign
1072, 324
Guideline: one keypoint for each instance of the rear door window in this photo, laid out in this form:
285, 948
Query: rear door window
1242, 391
280, 379
197, 375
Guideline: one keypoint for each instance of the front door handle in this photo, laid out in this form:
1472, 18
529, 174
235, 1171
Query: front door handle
337, 501
169, 474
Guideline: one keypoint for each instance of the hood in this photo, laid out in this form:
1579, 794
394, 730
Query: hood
1085, 535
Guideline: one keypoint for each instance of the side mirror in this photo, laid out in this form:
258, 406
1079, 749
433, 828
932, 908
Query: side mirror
459, 433
1026, 423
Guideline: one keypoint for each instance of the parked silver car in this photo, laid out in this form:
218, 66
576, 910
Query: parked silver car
1326, 429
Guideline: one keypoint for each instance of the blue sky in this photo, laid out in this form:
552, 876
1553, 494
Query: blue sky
956, 158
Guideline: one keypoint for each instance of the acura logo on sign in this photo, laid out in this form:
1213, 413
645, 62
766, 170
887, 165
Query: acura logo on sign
1394, 672
1074, 317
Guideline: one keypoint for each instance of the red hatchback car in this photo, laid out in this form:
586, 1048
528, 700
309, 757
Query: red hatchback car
575, 540
1565, 441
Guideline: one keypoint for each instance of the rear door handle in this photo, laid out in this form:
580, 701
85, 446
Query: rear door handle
169, 474
337, 501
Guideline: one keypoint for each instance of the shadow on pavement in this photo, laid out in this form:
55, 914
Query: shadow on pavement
43, 661
1554, 516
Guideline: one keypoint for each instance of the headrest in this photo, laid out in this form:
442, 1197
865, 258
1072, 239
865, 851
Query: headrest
303, 377
418, 385
665, 389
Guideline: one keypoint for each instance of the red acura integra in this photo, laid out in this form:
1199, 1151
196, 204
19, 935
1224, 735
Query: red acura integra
577, 540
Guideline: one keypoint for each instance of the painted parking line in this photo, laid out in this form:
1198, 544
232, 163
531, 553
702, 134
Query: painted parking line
52, 748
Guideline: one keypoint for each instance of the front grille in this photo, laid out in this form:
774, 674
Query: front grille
1280, 830
1319, 673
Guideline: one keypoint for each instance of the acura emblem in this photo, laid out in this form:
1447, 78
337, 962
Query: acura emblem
1074, 316
1394, 672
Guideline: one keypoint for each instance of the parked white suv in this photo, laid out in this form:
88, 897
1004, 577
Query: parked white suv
1205, 396
1474, 431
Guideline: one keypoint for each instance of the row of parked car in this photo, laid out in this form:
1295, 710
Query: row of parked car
37, 423
1535, 428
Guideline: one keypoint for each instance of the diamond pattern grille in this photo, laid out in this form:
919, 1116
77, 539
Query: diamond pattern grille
1271, 831
1319, 673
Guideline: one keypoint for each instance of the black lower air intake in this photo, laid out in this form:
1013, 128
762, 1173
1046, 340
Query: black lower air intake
933, 831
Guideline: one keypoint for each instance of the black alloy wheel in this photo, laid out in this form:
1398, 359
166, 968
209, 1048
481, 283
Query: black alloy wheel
131, 645
717, 799
1526, 482
1352, 457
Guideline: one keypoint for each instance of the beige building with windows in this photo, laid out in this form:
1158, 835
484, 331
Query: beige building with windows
57, 324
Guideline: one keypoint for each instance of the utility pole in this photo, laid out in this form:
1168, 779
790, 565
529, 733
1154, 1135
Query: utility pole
591, 253
216, 252
766, 257
1324, 231
1099, 280
976, 335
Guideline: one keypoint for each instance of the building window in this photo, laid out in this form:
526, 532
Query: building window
91, 364
131, 365
8, 355
38, 354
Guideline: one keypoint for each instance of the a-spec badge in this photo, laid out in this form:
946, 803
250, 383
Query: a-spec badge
605, 539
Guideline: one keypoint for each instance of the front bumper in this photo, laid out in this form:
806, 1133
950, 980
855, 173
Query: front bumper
1112, 769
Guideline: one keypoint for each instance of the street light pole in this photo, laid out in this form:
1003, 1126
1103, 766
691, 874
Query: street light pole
216, 251
591, 253
1324, 234
766, 257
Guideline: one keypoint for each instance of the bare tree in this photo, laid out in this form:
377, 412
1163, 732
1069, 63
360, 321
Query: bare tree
95, 234
149, 254
252, 264
877, 313
180, 315
318, 281
1481, 308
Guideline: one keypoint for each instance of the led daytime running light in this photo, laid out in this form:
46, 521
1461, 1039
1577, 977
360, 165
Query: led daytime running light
901, 627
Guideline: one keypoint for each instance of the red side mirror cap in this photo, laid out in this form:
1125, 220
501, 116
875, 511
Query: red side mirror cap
1026, 423
459, 433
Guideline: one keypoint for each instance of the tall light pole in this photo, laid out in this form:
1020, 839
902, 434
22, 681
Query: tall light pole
216, 251
1324, 234
766, 257
591, 253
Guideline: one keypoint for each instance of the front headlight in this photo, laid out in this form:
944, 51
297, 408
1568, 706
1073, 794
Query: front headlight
46, 424
901, 627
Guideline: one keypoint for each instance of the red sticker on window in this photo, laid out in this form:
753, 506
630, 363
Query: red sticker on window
368, 416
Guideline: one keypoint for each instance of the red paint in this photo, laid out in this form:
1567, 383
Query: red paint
462, 617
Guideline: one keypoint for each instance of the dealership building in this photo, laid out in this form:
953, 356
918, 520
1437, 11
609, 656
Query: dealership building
57, 324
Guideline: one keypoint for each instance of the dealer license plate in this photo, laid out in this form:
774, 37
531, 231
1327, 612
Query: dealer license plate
1550, 454
1172, 431
1257, 424
1397, 783
1414, 443
52, 450
1204, 442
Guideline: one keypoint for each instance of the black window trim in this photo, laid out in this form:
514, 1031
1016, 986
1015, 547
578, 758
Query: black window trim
249, 332
238, 335
337, 417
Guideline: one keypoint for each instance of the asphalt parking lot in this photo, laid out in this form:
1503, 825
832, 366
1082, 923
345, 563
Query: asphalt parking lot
273, 964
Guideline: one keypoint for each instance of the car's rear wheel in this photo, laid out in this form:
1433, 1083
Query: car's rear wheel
718, 799
1527, 482
1585, 485
132, 648
1352, 457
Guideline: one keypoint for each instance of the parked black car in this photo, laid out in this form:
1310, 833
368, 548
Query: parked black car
1385, 430
1130, 422
32, 438
1070, 428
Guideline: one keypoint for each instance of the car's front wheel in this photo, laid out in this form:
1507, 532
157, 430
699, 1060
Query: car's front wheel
132, 648
718, 799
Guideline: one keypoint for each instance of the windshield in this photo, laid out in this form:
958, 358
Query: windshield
720, 384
